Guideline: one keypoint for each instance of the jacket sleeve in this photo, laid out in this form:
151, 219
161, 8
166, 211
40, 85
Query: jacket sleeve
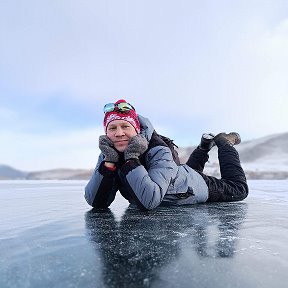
101, 189
150, 185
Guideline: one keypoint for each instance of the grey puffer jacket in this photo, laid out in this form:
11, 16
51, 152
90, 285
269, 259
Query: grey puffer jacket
152, 180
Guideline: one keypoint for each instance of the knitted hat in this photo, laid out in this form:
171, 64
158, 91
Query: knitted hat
129, 116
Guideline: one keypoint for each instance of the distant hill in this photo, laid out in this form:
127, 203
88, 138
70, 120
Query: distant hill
262, 158
60, 174
7, 172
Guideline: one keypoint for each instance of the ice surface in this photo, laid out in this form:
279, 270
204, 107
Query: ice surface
49, 237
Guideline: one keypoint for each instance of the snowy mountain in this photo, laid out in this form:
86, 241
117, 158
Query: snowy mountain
262, 158
64, 174
7, 172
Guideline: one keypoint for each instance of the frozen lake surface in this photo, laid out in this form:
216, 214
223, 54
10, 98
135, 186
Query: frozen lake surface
50, 237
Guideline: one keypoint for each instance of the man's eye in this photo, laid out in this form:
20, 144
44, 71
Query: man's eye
112, 128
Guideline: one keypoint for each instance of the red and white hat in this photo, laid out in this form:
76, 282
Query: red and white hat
129, 116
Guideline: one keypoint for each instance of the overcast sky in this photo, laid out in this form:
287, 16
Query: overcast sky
189, 66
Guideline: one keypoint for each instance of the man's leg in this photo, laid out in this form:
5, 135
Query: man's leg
233, 185
199, 156
197, 159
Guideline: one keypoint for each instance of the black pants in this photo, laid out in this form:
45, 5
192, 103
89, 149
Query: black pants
233, 184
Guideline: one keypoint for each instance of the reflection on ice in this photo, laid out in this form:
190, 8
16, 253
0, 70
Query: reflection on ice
49, 237
148, 242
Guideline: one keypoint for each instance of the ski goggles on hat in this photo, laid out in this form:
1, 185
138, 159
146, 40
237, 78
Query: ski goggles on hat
120, 107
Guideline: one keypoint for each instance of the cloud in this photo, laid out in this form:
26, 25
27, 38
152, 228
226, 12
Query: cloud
30, 152
190, 67
263, 69
7, 114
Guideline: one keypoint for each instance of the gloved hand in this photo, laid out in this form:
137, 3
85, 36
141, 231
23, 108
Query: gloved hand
107, 148
137, 145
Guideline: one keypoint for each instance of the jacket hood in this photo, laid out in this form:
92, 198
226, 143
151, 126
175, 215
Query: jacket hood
146, 127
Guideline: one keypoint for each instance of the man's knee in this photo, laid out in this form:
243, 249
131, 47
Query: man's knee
243, 191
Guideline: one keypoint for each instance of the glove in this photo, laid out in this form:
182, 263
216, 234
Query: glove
137, 145
107, 148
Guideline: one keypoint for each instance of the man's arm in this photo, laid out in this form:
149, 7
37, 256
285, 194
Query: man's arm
101, 189
150, 185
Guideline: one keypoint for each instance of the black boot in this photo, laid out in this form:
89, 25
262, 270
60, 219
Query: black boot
207, 142
232, 138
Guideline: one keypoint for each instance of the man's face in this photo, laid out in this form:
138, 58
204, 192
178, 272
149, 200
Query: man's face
119, 132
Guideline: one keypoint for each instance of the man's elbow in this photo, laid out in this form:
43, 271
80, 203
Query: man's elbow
87, 196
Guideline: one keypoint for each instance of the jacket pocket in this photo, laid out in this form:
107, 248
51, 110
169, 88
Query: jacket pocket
185, 195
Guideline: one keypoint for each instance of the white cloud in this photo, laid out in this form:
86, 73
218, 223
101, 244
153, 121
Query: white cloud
30, 152
7, 114
267, 77
191, 68
251, 95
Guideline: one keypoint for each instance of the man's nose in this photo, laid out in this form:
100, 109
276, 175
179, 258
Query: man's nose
119, 131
